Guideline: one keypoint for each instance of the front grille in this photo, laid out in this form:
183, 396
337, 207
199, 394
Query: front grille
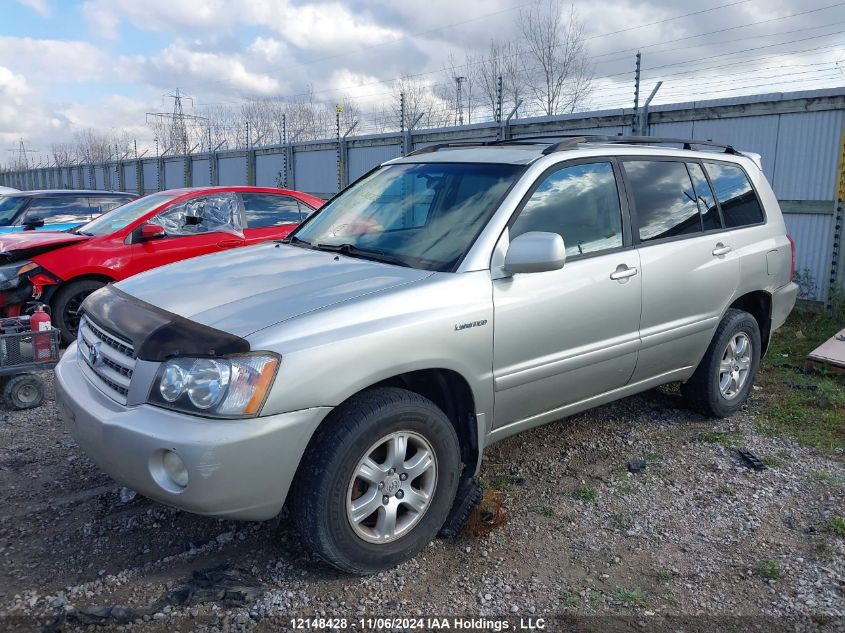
110, 367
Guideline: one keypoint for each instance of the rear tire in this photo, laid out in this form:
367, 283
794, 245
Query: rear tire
24, 391
363, 524
65, 306
724, 377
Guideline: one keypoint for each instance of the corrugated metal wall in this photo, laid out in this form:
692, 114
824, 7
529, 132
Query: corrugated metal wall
201, 172
267, 168
811, 232
232, 170
174, 173
316, 171
363, 159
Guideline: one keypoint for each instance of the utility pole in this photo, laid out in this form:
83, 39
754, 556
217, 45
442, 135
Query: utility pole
635, 123
459, 110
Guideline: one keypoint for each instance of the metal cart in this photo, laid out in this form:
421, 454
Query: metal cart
23, 353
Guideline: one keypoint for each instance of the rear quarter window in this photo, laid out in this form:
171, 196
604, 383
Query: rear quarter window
736, 196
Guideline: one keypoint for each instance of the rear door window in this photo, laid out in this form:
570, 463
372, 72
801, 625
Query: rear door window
581, 204
664, 199
736, 196
101, 204
264, 209
58, 210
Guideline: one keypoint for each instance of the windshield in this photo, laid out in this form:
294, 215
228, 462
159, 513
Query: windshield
420, 215
124, 215
9, 207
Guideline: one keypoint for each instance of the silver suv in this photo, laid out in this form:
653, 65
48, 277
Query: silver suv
443, 302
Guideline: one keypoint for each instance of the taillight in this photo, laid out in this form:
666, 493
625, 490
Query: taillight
791, 258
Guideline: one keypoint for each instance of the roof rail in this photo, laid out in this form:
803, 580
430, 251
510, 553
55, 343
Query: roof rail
438, 146
570, 142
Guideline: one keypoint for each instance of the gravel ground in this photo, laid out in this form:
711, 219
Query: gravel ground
696, 533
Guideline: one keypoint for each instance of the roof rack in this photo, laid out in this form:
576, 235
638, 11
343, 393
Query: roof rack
438, 146
571, 141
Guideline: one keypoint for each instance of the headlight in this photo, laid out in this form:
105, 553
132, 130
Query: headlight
10, 274
229, 387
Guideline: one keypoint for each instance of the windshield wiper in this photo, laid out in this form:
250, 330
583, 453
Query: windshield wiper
364, 253
293, 239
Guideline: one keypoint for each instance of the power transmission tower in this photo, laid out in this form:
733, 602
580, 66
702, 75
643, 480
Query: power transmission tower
177, 123
22, 151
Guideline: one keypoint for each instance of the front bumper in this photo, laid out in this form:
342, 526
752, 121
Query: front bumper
237, 469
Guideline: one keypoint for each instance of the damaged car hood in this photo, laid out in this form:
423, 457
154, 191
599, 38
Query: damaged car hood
17, 246
248, 289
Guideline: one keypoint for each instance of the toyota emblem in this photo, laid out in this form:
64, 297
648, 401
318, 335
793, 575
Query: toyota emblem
94, 356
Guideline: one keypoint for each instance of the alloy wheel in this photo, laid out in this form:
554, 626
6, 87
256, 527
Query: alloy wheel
735, 366
391, 487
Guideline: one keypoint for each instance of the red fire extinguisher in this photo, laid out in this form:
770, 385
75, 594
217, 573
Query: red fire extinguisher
41, 347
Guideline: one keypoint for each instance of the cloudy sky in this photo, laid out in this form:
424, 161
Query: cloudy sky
67, 66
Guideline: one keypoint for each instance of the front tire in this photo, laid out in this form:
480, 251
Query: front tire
377, 481
66, 305
722, 381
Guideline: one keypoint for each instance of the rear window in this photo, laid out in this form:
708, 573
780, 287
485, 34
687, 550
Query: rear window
664, 198
740, 206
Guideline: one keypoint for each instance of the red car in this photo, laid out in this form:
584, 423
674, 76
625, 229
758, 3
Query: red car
62, 268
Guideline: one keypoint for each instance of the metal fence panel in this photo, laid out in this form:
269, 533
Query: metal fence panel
363, 159
811, 232
316, 172
678, 129
151, 179
232, 170
99, 178
807, 155
174, 173
201, 172
130, 177
268, 168
753, 134
76, 179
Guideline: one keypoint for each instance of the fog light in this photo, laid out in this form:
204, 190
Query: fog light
175, 468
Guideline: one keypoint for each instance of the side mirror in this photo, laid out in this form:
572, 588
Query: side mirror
535, 252
151, 231
31, 222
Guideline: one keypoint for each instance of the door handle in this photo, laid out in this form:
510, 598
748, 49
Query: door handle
623, 272
229, 243
721, 249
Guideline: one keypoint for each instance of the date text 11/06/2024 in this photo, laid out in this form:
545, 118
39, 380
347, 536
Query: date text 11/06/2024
421, 624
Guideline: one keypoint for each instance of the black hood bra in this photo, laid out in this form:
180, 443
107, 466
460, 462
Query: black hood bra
156, 334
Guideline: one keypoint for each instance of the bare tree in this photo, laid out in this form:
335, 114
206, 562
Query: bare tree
558, 72
64, 154
92, 146
502, 60
419, 102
